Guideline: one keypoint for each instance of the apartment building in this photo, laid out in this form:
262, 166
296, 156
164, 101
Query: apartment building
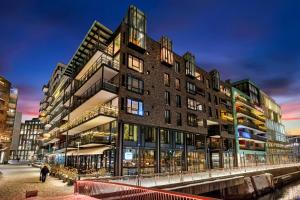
249, 123
8, 105
129, 104
28, 139
278, 148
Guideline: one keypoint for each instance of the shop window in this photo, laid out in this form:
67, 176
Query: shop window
135, 107
130, 132
179, 138
135, 63
150, 134
135, 84
164, 136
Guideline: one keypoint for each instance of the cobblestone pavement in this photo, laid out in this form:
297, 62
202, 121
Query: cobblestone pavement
17, 179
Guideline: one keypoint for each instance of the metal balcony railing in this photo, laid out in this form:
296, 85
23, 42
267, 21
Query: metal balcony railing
97, 111
102, 61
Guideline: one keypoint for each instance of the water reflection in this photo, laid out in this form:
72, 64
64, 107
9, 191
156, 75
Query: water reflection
288, 192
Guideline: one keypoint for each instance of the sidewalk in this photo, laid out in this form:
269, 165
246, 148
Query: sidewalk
17, 179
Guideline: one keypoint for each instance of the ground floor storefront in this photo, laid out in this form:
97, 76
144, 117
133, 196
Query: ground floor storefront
248, 158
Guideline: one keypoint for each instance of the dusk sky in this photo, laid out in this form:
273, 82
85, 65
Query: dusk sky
258, 40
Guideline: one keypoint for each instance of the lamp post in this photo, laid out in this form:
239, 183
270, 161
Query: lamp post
78, 143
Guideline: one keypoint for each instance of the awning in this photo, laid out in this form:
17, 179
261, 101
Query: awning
89, 151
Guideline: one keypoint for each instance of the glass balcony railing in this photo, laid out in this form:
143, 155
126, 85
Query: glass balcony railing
250, 124
252, 115
97, 111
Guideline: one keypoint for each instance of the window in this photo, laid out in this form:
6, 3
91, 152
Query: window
164, 136
194, 105
190, 139
192, 120
166, 79
150, 134
178, 119
178, 101
137, 27
209, 97
216, 100
189, 64
135, 63
166, 54
177, 67
135, 84
177, 84
130, 132
190, 88
167, 116
135, 107
178, 138
167, 98
199, 76
209, 111
207, 83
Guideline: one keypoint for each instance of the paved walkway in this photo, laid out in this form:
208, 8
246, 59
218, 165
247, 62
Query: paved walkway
17, 179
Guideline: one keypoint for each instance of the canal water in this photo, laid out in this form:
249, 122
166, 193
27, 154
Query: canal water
288, 192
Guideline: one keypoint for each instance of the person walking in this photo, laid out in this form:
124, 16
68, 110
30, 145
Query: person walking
44, 172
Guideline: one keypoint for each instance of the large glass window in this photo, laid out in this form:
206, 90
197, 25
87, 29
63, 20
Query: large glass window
166, 50
164, 136
130, 132
190, 88
135, 63
150, 134
135, 107
135, 84
189, 64
178, 138
137, 27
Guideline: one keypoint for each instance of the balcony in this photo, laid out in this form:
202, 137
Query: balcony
251, 125
99, 115
99, 93
104, 67
250, 115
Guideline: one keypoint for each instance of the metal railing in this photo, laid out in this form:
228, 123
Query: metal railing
160, 179
107, 190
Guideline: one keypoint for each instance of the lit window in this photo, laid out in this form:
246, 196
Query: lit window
135, 107
192, 120
137, 27
194, 105
130, 132
166, 53
135, 63
189, 64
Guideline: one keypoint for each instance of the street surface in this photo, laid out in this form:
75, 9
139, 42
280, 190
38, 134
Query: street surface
17, 179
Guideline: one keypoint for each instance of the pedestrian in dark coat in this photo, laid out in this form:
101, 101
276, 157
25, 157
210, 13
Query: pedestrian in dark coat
44, 172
